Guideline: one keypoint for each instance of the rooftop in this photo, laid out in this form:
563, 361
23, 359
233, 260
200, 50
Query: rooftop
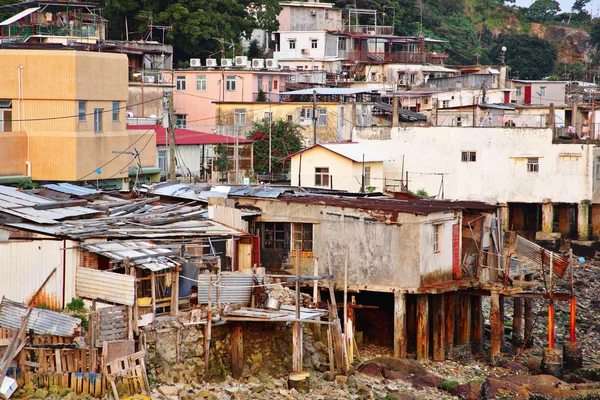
187, 136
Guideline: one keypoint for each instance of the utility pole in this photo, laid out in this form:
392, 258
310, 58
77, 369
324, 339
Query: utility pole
314, 117
172, 173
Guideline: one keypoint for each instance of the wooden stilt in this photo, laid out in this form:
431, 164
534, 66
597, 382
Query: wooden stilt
496, 325
400, 337
237, 350
422, 327
330, 348
207, 335
517, 330
502, 310
439, 328
476, 324
464, 314
449, 317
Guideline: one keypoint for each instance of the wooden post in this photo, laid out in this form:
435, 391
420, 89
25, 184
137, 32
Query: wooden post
517, 330
400, 337
496, 325
346, 333
153, 284
476, 323
336, 330
175, 292
502, 311
464, 313
422, 327
316, 283
237, 350
330, 352
208, 330
439, 328
450, 306
297, 332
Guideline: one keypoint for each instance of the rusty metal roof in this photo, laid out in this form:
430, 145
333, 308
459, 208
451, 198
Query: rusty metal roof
139, 253
41, 321
411, 206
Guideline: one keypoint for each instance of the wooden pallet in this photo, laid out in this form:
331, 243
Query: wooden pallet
42, 360
130, 373
111, 323
81, 382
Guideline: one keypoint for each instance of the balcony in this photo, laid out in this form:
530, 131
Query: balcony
369, 29
146, 76
22, 33
401, 57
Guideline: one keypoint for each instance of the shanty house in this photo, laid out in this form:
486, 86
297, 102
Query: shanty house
339, 166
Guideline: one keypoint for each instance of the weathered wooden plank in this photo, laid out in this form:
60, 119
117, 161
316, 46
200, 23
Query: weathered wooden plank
400, 335
449, 319
237, 350
439, 328
496, 325
476, 323
422, 327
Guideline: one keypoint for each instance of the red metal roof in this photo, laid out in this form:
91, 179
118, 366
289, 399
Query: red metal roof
187, 136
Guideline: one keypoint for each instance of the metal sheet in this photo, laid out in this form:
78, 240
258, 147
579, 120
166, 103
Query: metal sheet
71, 189
234, 288
41, 321
537, 255
108, 286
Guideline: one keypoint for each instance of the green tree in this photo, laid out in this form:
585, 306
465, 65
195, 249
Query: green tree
576, 71
222, 162
543, 10
595, 33
286, 139
254, 50
528, 57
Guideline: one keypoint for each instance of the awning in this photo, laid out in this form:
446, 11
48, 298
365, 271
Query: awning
20, 15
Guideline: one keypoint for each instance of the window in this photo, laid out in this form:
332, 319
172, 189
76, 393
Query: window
275, 84
98, 120
274, 235
268, 116
322, 115
5, 116
239, 116
115, 111
542, 90
437, 237
445, 103
367, 176
342, 44
201, 83
290, 119
259, 82
533, 164
180, 120
321, 176
597, 168
230, 84
82, 110
314, 43
162, 160
270, 84
303, 237
180, 85
468, 156
518, 91
292, 44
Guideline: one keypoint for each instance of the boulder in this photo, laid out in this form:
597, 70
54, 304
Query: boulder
468, 391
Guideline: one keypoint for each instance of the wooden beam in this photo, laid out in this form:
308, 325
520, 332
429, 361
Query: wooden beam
517, 330
449, 318
476, 323
41, 287
496, 326
464, 314
439, 328
528, 337
400, 336
237, 350
208, 330
502, 318
422, 327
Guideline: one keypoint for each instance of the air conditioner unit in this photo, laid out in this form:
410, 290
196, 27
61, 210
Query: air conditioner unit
149, 79
226, 62
258, 63
313, 13
211, 62
195, 62
402, 82
305, 52
240, 61
272, 63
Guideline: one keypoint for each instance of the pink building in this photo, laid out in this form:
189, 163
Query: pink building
196, 91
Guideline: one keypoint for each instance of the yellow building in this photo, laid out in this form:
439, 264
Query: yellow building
62, 118
338, 166
333, 118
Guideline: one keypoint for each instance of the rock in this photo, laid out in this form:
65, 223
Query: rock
270, 386
447, 385
496, 388
41, 393
232, 389
258, 389
168, 390
468, 391
255, 368
587, 374
340, 380
203, 394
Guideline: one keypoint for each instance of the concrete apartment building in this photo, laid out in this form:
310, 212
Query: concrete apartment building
539, 92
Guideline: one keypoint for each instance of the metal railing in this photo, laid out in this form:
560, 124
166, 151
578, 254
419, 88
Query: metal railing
401, 57
370, 29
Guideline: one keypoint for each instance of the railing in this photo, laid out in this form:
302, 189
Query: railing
20, 33
147, 76
369, 29
403, 57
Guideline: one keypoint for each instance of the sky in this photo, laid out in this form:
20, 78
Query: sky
565, 5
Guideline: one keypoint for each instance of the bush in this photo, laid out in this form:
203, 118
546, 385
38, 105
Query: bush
76, 305
84, 321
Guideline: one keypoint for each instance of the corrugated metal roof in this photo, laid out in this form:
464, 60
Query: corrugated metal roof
41, 321
104, 285
142, 254
74, 190
330, 91
18, 16
20, 204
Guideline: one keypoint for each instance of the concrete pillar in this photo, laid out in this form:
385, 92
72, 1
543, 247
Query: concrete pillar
476, 323
464, 315
583, 220
496, 326
422, 327
547, 216
395, 111
400, 337
503, 212
595, 220
450, 314
439, 327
